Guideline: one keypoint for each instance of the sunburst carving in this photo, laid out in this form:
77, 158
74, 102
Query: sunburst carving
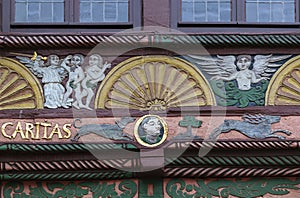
289, 91
17, 89
284, 87
154, 83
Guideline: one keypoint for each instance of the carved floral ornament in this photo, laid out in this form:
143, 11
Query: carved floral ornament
148, 82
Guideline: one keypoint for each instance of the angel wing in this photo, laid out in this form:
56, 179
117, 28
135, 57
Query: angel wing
217, 66
31, 64
266, 65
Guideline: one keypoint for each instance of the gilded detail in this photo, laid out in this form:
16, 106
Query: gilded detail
154, 83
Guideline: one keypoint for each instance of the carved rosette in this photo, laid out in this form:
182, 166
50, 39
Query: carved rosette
154, 83
284, 88
19, 89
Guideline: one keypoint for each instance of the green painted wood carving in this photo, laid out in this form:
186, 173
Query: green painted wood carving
228, 94
177, 188
126, 189
188, 122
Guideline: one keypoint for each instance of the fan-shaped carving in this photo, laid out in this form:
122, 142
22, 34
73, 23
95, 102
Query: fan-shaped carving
155, 83
284, 88
18, 88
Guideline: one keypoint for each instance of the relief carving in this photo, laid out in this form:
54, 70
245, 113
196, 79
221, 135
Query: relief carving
253, 126
239, 81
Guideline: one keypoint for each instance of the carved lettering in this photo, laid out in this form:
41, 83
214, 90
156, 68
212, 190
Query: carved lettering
3, 129
29, 129
18, 130
67, 130
45, 125
55, 130
35, 131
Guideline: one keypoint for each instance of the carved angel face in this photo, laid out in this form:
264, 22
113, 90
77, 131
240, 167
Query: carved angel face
243, 63
95, 60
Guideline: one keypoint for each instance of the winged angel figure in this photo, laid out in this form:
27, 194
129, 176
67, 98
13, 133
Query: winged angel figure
229, 68
52, 74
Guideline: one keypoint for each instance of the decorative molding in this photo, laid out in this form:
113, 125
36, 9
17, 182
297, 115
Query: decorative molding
231, 172
175, 144
241, 145
64, 148
291, 160
91, 40
67, 175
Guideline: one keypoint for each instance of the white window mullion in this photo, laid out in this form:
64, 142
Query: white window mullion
270, 11
206, 10
219, 10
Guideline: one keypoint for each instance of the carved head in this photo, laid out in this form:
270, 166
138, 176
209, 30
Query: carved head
77, 59
53, 60
95, 60
227, 125
152, 128
243, 62
272, 119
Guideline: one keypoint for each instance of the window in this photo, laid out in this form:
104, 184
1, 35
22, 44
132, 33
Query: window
71, 14
104, 11
39, 11
206, 10
234, 12
270, 10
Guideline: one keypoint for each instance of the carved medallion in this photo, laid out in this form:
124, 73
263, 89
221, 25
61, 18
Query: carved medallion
151, 131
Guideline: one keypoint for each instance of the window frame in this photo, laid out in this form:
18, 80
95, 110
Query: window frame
238, 16
71, 23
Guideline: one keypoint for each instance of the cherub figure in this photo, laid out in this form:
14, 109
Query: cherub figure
52, 75
229, 68
94, 74
76, 75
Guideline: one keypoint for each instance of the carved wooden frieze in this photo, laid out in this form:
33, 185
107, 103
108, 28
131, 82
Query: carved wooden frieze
167, 187
151, 82
140, 131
